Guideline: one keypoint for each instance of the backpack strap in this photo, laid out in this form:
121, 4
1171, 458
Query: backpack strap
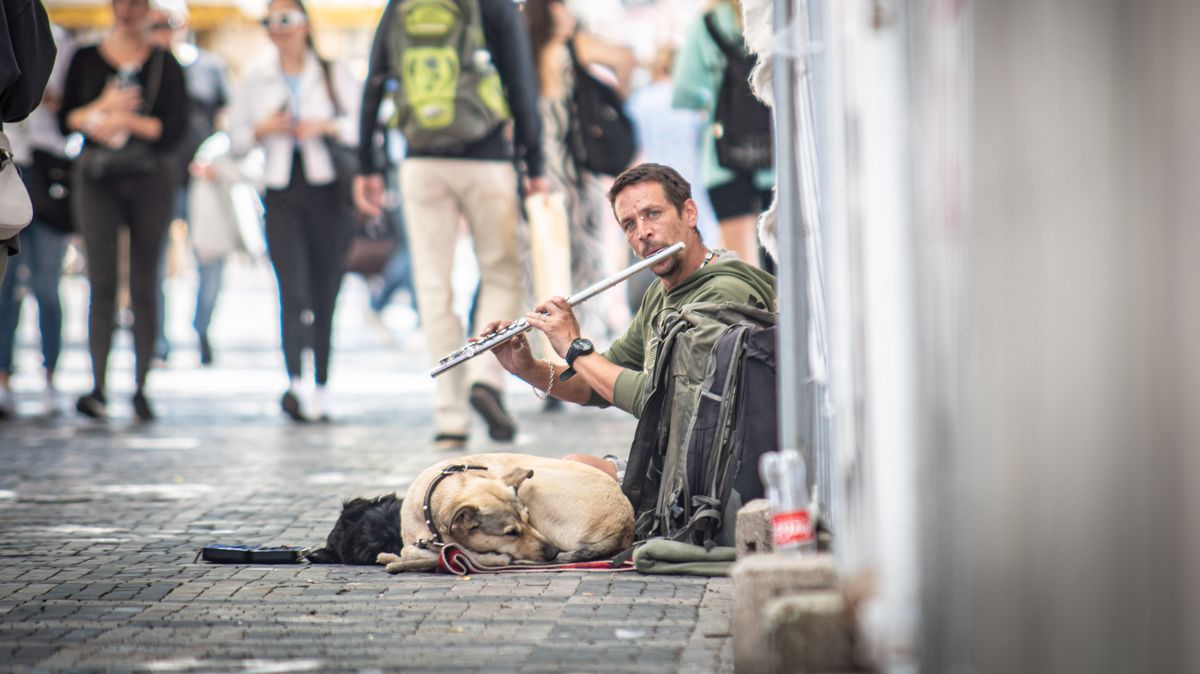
730, 50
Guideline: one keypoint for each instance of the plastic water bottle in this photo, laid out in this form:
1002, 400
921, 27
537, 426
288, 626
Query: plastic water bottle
784, 476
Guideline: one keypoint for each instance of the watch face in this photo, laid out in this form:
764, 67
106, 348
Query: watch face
579, 347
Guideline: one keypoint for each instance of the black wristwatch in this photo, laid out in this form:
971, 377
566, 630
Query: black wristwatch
579, 347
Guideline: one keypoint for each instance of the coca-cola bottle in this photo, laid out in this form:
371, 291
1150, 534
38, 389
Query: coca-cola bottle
783, 476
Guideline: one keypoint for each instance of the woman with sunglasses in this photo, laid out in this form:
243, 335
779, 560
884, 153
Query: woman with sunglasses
294, 105
128, 100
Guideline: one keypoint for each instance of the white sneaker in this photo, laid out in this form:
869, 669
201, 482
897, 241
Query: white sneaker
52, 401
318, 409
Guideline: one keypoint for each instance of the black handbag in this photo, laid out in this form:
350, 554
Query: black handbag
137, 158
602, 135
134, 159
50, 190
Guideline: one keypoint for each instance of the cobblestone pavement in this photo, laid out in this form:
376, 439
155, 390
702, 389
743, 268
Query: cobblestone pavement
100, 524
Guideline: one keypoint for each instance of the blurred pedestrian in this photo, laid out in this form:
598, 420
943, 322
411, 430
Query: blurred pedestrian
295, 106
127, 98
207, 81
39, 269
671, 137
557, 46
26, 58
738, 196
459, 165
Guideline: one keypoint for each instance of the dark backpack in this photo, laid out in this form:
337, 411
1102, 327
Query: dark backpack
602, 136
741, 123
710, 415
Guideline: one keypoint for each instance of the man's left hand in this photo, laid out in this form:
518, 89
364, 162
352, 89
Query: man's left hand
555, 318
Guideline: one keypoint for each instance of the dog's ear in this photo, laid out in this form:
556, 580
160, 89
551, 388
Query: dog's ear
465, 519
516, 476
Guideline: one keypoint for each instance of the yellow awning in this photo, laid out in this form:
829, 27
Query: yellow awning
210, 16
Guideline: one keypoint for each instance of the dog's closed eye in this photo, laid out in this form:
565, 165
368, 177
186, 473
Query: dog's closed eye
514, 532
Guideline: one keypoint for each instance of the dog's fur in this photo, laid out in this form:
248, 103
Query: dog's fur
366, 528
522, 509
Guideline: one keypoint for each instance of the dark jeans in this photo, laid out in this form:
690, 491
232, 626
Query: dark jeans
207, 288
38, 268
101, 208
307, 235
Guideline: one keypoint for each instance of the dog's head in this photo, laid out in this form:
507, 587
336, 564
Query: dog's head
487, 516
365, 528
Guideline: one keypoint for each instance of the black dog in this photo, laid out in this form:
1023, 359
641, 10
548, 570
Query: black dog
365, 528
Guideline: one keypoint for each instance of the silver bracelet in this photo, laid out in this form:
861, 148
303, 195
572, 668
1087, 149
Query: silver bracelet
541, 395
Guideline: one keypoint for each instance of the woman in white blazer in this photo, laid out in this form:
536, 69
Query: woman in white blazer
294, 105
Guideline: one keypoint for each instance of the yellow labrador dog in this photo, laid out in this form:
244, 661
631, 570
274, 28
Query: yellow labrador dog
512, 508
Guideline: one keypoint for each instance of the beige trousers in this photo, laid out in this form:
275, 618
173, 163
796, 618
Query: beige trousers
436, 193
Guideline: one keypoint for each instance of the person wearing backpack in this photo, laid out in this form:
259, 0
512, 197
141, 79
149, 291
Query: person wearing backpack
712, 72
653, 206
466, 102
562, 52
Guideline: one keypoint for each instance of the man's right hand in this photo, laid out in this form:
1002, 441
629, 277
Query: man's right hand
514, 355
368, 194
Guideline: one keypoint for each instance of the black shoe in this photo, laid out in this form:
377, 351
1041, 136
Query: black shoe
141, 407
206, 356
291, 406
449, 442
92, 405
486, 400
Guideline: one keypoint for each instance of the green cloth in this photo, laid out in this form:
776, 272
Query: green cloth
699, 68
660, 556
725, 279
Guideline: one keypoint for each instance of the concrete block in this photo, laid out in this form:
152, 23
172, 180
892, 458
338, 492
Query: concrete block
754, 528
759, 579
811, 632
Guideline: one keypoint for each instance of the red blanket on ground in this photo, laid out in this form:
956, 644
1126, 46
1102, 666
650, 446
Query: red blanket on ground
456, 560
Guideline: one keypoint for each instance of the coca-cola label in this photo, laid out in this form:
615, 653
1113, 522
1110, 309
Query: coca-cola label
791, 528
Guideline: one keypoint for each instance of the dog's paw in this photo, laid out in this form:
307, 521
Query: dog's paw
387, 558
409, 565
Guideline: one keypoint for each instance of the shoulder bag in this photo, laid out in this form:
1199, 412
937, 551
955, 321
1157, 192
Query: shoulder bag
602, 135
16, 211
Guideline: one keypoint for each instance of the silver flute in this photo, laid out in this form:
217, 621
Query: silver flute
493, 339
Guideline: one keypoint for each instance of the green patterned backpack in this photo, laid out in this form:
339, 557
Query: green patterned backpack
449, 92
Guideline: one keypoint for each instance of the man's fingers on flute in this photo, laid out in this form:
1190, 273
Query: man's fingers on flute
494, 326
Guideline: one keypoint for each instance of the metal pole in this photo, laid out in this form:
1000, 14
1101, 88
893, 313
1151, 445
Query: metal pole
795, 392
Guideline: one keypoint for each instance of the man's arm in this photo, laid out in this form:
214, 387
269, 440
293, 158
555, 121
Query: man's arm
508, 41
515, 357
368, 185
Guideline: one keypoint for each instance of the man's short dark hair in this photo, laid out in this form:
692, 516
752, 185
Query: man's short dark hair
677, 189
